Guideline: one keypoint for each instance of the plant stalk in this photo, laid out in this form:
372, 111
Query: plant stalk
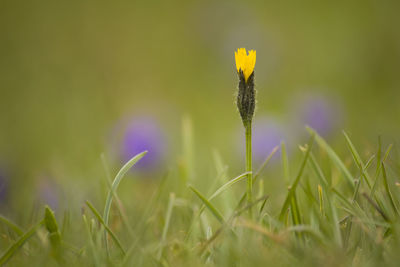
249, 167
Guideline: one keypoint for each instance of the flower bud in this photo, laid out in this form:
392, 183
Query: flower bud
246, 98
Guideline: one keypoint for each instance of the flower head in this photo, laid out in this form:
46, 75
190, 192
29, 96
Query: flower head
246, 98
244, 62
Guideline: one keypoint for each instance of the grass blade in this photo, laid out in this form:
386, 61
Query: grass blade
333, 156
12, 225
378, 168
19, 243
318, 171
110, 232
228, 184
261, 168
295, 209
119, 205
216, 193
141, 225
380, 211
269, 157
228, 223
96, 260
329, 200
292, 188
115, 184
357, 159
166, 225
208, 204
388, 192
321, 200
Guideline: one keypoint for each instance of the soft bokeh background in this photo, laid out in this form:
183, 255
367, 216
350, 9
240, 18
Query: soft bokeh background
81, 79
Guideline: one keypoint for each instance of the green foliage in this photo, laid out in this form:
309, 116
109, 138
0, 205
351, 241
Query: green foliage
335, 212
15, 246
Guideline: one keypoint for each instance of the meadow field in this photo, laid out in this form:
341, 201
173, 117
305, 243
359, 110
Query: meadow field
199, 133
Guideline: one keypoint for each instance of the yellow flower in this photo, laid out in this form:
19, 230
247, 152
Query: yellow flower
245, 62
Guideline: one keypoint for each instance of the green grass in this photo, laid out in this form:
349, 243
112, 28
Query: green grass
333, 211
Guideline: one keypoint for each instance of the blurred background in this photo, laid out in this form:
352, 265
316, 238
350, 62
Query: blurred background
82, 81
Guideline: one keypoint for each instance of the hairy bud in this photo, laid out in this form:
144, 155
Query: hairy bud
246, 98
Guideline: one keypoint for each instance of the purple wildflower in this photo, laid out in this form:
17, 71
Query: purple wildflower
320, 113
144, 133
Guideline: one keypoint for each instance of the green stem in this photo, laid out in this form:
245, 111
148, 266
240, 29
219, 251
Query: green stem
249, 165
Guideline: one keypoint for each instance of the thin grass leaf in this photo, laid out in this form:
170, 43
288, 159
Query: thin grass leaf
204, 223
357, 159
228, 223
115, 184
352, 209
387, 152
369, 162
293, 187
19, 243
228, 184
347, 231
328, 196
264, 164
356, 190
216, 193
166, 225
336, 224
378, 169
119, 205
12, 225
388, 192
207, 203
295, 209
260, 169
260, 194
321, 200
154, 199
109, 231
318, 171
357, 182
333, 156
141, 226
380, 211
96, 260
362, 168
308, 191
262, 207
